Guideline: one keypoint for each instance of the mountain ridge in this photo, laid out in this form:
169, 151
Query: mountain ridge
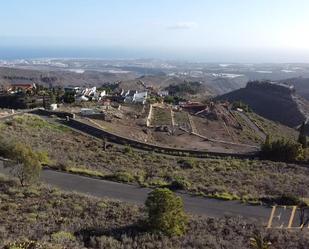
272, 100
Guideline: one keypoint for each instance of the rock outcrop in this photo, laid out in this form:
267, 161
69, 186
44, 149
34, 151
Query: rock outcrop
275, 101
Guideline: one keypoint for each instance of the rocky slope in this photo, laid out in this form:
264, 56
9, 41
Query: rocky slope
301, 85
274, 101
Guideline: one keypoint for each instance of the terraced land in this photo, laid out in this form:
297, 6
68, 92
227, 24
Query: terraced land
181, 119
161, 116
276, 130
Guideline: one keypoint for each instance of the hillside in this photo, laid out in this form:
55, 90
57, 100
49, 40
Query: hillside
273, 101
220, 178
301, 86
129, 79
221, 85
52, 219
62, 78
90, 75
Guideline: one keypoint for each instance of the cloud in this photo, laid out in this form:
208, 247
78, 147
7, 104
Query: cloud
183, 25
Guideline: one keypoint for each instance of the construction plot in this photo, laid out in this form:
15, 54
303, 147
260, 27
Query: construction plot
214, 129
182, 120
161, 116
218, 122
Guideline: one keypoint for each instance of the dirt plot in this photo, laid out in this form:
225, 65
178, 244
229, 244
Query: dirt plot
224, 128
175, 139
182, 120
161, 116
220, 131
132, 124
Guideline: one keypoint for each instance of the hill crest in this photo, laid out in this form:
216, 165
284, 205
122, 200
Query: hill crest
275, 101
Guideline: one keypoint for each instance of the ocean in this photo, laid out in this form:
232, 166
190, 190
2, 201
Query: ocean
15, 53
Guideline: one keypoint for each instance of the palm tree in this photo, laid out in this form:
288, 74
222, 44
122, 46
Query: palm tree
258, 242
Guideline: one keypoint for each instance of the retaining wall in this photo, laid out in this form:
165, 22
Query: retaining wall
102, 134
148, 120
99, 133
51, 113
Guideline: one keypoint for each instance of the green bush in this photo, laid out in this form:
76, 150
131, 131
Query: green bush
6, 147
258, 241
282, 150
121, 177
180, 184
184, 88
302, 138
84, 171
69, 98
127, 149
62, 236
173, 99
26, 164
166, 212
224, 196
241, 105
188, 163
22, 245
157, 182
284, 200
43, 157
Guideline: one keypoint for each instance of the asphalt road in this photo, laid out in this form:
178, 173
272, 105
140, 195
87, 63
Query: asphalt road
134, 194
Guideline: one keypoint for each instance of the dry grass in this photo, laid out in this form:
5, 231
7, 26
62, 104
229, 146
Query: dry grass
248, 180
276, 130
52, 219
161, 116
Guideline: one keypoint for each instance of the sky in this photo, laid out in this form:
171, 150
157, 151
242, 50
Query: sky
210, 30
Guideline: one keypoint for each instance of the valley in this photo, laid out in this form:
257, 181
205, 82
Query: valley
111, 138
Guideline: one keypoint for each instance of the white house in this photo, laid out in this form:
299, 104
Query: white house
163, 93
136, 97
129, 96
53, 107
82, 98
140, 97
99, 95
89, 91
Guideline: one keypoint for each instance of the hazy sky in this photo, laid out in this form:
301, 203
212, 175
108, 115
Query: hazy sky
187, 28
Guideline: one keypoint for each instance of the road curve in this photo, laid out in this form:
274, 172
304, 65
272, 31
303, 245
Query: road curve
137, 195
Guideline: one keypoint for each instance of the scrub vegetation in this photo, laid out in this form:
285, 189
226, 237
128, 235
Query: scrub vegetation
247, 180
43, 217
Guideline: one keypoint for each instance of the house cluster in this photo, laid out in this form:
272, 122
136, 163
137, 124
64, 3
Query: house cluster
19, 87
92, 94
133, 96
85, 94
